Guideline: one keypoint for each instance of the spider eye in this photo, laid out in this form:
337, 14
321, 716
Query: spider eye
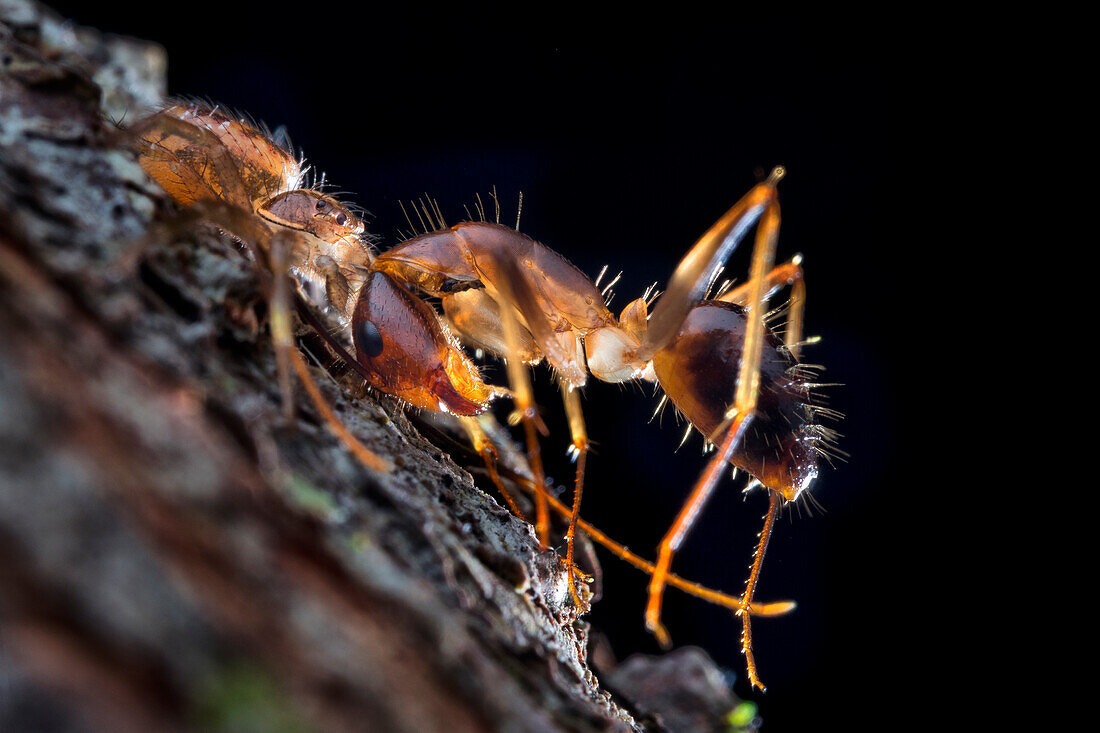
321, 204
368, 338
341, 219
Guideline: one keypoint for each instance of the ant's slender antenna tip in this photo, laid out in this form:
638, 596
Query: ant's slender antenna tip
777, 175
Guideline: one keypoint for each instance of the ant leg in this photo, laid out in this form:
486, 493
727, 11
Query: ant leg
684, 522
523, 395
750, 587
623, 553
488, 454
789, 273
793, 337
738, 419
475, 316
579, 451
688, 283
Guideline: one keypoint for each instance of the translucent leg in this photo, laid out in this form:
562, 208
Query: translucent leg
789, 273
579, 451
688, 283
523, 395
485, 449
624, 553
270, 252
737, 420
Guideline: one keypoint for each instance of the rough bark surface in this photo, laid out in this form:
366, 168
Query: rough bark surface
174, 556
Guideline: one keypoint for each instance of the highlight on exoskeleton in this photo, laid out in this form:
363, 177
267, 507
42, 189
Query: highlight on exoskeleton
737, 382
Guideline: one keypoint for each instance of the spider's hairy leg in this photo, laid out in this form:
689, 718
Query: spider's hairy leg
270, 252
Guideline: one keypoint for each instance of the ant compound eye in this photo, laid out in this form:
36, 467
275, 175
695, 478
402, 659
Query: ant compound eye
322, 204
341, 219
368, 338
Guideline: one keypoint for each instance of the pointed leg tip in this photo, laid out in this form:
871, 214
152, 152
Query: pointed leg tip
659, 632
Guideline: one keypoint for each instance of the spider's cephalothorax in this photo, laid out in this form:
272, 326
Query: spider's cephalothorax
231, 172
204, 155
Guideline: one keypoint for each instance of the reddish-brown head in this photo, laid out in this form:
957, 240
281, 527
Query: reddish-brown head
401, 343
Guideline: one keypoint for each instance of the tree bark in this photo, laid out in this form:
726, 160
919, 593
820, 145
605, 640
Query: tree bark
174, 556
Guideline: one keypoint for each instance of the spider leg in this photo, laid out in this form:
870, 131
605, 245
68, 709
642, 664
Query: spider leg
270, 251
282, 334
287, 355
197, 170
337, 288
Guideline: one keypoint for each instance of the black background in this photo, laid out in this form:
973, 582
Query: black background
628, 136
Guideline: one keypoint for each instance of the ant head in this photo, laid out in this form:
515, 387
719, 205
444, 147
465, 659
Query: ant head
400, 341
313, 212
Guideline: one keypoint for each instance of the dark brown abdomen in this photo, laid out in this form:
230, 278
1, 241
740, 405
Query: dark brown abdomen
698, 370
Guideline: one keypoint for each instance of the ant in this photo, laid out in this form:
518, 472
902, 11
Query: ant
514, 297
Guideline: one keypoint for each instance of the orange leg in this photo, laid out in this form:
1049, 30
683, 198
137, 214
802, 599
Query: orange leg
789, 273
786, 274
623, 553
488, 453
523, 394
683, 523
269, 251
750, 587
579, 451
739, 416
688, 284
